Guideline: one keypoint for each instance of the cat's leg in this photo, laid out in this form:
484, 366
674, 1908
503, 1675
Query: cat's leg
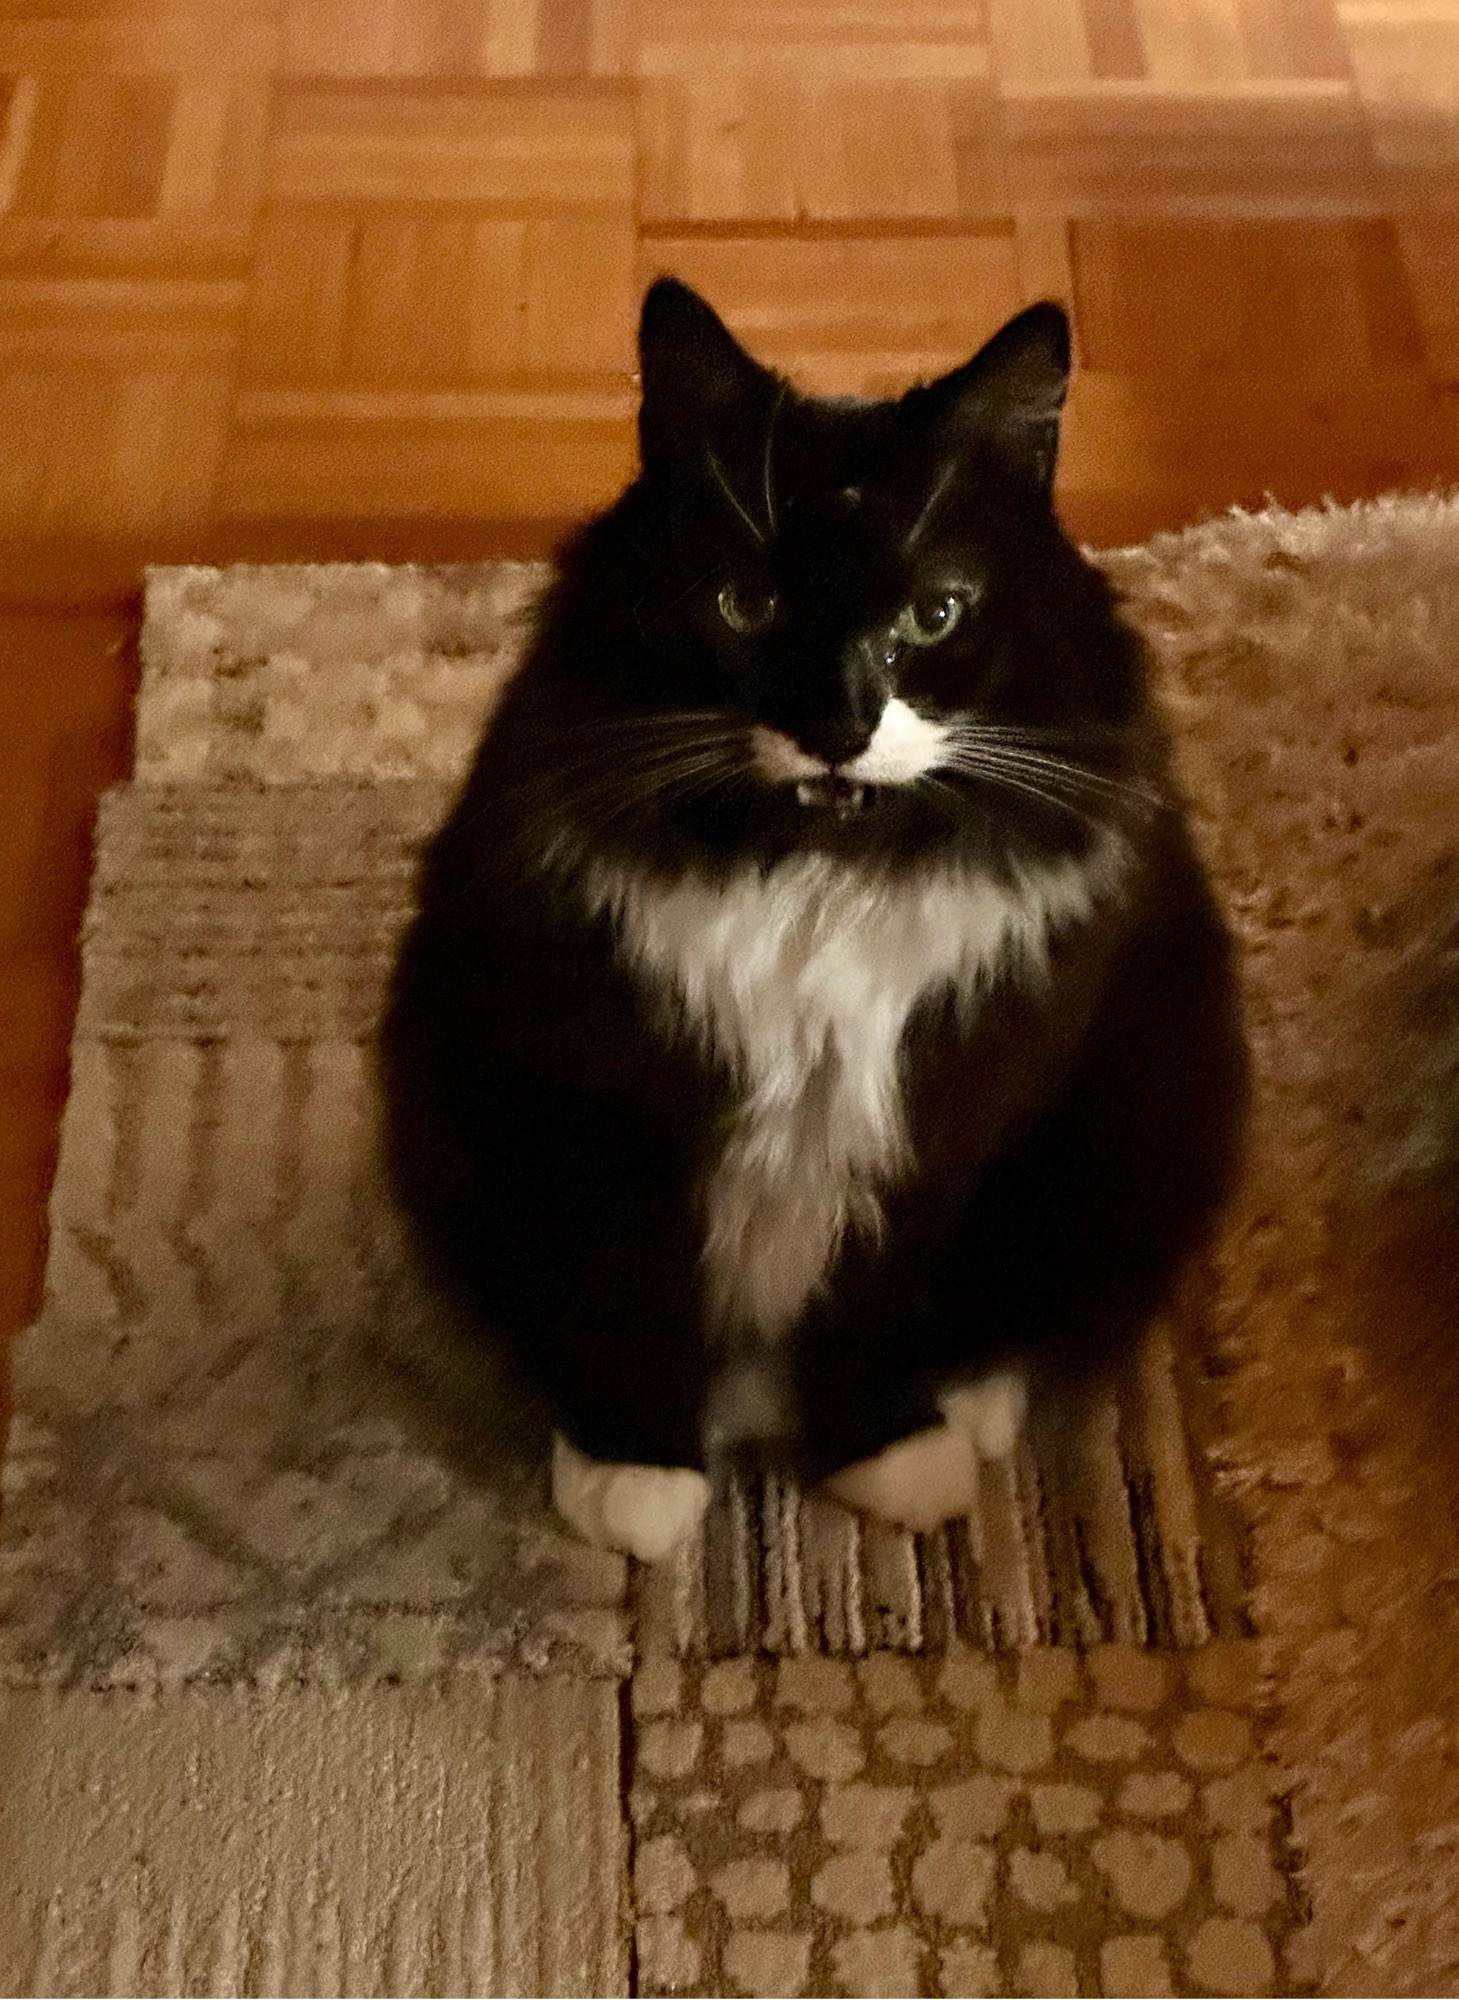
643, 1510
932, 1476
990, 1412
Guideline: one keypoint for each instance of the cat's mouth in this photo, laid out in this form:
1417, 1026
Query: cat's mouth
842, 797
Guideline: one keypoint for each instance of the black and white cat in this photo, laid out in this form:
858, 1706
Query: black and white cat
817, 1027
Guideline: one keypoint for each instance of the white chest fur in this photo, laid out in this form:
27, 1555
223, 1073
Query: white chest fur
803, 982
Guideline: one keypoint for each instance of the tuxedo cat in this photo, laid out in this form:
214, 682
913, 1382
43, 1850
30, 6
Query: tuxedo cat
817, 1034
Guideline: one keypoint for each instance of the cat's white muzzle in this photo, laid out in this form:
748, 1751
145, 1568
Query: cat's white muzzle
904, 747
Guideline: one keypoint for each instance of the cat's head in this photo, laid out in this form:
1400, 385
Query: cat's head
841, 625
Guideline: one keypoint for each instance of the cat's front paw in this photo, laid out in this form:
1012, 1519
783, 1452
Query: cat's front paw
990, 1412
919, 1482
932, 1476
642, 1510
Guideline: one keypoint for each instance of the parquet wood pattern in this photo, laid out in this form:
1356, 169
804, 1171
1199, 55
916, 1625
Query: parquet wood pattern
441, 306
334, 277
300, 262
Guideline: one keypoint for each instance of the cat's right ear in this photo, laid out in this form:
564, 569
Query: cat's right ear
693, 371
1012, 391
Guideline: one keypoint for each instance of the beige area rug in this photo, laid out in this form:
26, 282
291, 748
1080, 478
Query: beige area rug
1051, 1822
243, 1511
1313, 665
221, 1407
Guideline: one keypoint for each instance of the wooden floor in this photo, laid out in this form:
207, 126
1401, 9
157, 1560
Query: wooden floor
305, 277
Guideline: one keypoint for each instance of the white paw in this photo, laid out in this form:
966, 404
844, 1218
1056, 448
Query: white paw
644, 1510
989, 1413
919, 1482
923, 1480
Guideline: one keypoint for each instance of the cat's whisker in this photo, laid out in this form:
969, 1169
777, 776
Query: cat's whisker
1041, 732
688, 790
581, 785
642, 740
769, 447
644, 777
1062, 771
928, 781
1033, 772
642, 755
689, 767
1087, 784
940, 485
725, 488
1015, 742
666, 723
650, 778
680, 787
1042, 739
992, 773
674, 602
639, 751
579, 777
1014, 737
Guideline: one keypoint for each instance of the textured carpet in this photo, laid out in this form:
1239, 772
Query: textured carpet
392, 1839
1134, 1547
223, 1459
243, 1514
221, 1464
304, 1690
1054, 1822
1313, 663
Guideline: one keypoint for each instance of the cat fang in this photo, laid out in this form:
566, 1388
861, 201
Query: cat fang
903, 747
817, 1044
842, 796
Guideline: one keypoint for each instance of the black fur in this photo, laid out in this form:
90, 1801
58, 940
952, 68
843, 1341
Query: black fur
551, 1132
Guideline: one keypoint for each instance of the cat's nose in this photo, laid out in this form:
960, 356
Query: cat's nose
848, 721
840, 738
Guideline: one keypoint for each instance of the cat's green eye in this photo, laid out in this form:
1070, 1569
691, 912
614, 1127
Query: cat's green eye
930, 617
747, 608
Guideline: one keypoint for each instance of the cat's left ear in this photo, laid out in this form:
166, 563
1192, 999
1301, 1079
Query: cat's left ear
694, 372
1012, 391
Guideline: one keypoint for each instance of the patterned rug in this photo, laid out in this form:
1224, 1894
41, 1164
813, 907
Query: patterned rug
227, 1453
239, 1479
1054, 1823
